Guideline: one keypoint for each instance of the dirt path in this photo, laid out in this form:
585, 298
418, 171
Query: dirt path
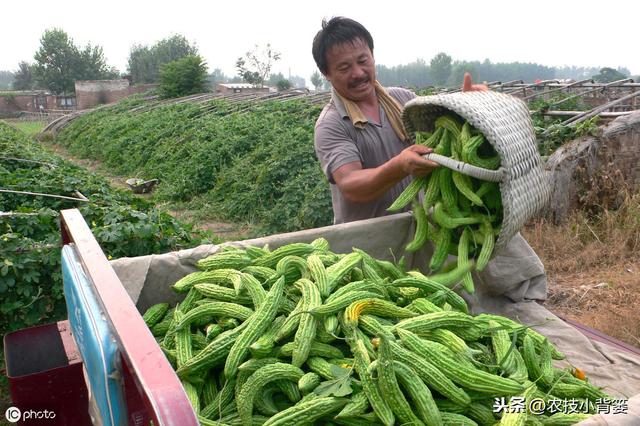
225, 230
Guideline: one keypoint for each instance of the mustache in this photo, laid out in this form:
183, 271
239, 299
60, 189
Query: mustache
354, 83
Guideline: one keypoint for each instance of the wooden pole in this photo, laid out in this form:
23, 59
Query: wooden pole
588, 114
39, 194
542, 83
589, 91
558, 89
53, 166
605, 114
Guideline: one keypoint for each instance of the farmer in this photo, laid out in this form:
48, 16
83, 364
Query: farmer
360, 140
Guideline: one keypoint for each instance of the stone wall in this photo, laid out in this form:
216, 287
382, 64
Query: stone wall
606, 161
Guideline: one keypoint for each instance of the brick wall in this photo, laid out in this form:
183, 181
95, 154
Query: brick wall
16, 103
91, 93
141, 88
11, 103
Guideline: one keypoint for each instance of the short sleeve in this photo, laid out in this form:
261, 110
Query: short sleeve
333, 144
402, 95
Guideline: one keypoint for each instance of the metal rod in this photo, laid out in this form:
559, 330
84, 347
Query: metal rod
10, 191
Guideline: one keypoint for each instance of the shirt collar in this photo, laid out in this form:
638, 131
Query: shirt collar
338, 104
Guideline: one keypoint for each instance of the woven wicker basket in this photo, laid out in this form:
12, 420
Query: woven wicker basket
505, 122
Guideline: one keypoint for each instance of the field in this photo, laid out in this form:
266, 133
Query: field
30, 275
29, 128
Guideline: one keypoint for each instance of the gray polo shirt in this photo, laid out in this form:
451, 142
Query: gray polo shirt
338, 142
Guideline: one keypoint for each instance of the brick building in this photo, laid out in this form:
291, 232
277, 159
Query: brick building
12, 102
91, 93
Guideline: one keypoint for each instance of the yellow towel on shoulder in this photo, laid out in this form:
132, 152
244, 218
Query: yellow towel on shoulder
391, 107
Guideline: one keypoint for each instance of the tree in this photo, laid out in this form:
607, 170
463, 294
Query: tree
58, 63
217, 77
274, 79
55, 62
255, 66
457, 72
92, 65
183, 77
297, 81
317, 80
283, 84
607, 75
23, 78
145, 62
6, 80
440, 68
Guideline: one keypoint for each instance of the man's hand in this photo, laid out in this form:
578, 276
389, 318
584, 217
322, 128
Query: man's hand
360, 185
468, 86
412, 163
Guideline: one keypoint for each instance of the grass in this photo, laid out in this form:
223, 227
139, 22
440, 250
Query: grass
592, 263
591, 238
30, 128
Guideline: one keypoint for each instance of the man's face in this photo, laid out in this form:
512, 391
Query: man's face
351, 70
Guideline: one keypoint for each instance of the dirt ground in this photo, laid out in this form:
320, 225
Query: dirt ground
606, 298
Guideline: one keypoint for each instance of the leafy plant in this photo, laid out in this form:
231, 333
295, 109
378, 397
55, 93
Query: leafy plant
340, 386
550, 132
30, 274
145, 62
255, 66
185, 76
243, 162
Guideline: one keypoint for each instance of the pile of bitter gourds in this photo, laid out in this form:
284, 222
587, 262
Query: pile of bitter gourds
301, 335
461, 215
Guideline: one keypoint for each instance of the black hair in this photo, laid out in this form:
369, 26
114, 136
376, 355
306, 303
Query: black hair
337, 30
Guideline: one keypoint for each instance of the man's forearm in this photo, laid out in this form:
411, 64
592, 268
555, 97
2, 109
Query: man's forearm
366, 185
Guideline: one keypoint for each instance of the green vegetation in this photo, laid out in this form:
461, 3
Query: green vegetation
59, 63
182, 77
29, 128
443, 70
607, 75
550, 131
255, 66
240, 162
145, 62
23, 78
6, 79
30, 273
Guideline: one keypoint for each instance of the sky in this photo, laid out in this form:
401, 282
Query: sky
552, 33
